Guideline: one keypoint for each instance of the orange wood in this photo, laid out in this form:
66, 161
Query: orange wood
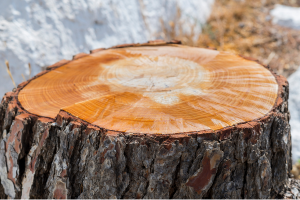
155, 89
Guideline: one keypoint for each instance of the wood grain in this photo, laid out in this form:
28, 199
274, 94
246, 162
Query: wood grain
157, 87
162, 89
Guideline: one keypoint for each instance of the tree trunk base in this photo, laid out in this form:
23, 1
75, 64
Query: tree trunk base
66, 157
293, 189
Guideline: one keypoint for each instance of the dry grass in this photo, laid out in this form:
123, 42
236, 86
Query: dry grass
9, 73
244, 27
29, 67
173, 29
296, 170
24, 79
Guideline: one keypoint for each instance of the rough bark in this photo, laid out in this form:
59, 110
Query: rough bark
66, 157
293, 189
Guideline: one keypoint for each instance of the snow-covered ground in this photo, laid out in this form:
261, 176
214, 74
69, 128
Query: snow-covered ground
286, 16
294, 107
290, 17
44, 32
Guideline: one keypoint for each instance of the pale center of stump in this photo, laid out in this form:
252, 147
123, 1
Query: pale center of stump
160, 78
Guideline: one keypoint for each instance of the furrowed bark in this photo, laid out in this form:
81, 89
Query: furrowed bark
67, 157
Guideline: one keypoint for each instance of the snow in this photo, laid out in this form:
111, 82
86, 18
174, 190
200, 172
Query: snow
294, 107
290, 17
44, 32
286, 16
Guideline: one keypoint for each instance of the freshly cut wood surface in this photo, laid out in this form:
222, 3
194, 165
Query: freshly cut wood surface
155, 89
52, 144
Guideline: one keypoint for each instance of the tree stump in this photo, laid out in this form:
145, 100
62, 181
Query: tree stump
154, 120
